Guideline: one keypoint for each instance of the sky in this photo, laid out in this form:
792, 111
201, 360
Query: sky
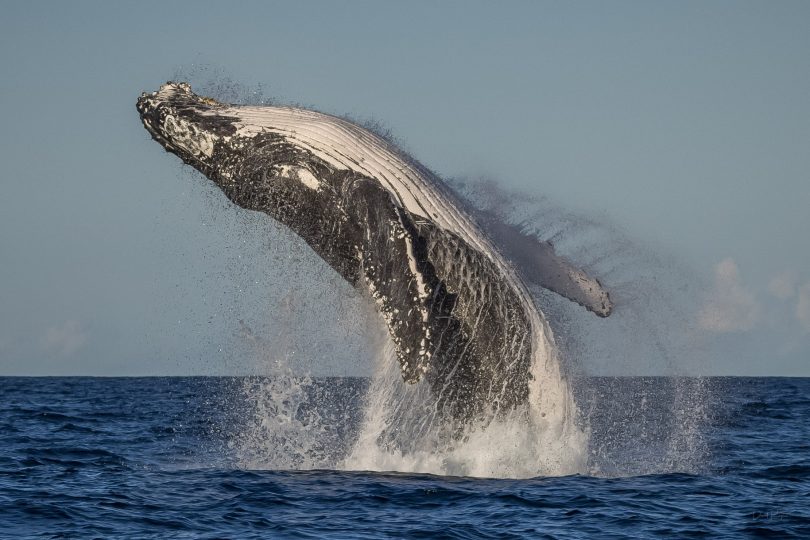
684, 124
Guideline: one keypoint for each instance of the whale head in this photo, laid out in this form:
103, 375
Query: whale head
185, 124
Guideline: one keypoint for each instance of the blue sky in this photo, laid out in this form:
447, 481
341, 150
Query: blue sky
686, 124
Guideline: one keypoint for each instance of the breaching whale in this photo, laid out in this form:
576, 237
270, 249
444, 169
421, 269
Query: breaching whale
453, 296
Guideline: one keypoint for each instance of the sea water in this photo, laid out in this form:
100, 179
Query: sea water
282, 458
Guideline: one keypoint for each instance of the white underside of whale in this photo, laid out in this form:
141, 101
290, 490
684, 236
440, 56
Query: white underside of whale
345, 146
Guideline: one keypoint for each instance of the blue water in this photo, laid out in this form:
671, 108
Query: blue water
157, 458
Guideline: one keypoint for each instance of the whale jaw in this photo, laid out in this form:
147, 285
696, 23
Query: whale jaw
183, 123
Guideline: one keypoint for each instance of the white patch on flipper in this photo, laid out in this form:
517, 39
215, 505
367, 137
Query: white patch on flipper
421, 286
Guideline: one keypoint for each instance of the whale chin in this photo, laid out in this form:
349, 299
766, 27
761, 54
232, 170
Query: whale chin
456, 306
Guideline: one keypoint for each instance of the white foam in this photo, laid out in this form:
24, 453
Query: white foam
538, 440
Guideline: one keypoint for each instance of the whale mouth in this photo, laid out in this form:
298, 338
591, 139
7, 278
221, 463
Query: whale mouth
150, 105
181, 121
149, 110
155, 107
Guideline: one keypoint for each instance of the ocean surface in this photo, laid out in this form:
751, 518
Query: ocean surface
217, 458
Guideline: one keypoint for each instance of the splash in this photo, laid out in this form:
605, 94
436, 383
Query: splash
298, 422
401, 432
290, 420
573, 423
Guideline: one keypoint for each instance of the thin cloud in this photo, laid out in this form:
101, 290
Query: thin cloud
783, 286
65, 339
730, 307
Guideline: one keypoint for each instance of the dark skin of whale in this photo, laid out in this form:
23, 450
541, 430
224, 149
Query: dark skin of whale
453, 316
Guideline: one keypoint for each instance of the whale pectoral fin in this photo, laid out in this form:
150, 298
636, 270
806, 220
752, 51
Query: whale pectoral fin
276, 183
398, 273
539, 264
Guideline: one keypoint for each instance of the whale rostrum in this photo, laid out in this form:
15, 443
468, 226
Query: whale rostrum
453, 297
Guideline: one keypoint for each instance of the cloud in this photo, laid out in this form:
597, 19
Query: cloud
803, 307
783, 286
65, 339
730, 307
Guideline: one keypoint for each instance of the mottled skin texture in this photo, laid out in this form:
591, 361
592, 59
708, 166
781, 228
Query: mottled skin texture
467, 320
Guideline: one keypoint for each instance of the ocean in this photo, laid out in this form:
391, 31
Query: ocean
229, 457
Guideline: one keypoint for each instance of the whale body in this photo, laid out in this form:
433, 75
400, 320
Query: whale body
454, 297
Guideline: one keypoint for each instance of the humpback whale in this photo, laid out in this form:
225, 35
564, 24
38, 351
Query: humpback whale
450, 283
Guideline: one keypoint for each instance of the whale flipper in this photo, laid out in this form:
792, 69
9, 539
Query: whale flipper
398, 273
539, 264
